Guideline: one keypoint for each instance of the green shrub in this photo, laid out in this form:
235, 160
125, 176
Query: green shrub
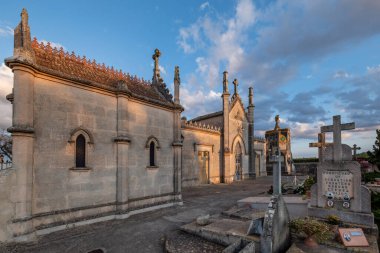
333, 220
370, 176
312, 227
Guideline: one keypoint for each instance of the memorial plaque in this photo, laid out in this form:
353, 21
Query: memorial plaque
337, 182
353, 237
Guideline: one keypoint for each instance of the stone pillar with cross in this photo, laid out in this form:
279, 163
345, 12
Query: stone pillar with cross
321, 145
354, 148
336, 129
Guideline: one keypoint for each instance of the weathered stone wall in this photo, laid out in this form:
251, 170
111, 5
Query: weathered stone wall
260, 158
194, 141
58, 110
144, 122
7, 207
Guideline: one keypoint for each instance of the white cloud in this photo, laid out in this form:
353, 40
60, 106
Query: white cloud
223, 39
373, 70
162, 69
6, 31
202, 64
6, 84
204, 5
341, 74
54, 44
199, 103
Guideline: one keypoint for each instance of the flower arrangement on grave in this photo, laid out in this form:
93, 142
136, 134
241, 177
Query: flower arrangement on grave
305, 186
333, 220
314, 230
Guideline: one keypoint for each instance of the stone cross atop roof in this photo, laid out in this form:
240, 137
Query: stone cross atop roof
336, 129
156, 70
236, 83
277, 119
321, 144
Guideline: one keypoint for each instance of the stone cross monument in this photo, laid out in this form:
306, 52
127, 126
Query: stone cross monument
336, 128
338, 190
354, 148
321, 145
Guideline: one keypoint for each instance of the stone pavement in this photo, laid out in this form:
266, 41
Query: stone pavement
146, 232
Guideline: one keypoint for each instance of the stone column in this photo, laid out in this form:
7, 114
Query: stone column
251, 138
177, 142
226, 145
277, 175
23, 141
122, 144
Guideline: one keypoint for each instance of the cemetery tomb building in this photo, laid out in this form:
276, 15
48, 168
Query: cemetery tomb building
91, 143
279, 138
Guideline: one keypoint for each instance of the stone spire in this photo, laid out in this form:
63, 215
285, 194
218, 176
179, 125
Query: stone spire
156, 71
251, 134
177, 82
250, 96
236, 83
277, 119
22, 39
225, 82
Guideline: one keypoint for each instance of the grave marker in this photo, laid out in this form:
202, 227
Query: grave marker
338, 190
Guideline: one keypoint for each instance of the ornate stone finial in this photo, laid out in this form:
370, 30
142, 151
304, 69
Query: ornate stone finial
176, 75
225, 82
250, 95
22, 39
277, 119
156, 70
177, 82
236, 83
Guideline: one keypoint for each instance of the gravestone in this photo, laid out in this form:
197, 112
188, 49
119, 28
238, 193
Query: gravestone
338, 190
275, 237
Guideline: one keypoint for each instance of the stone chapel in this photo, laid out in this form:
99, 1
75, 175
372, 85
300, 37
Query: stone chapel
91, 143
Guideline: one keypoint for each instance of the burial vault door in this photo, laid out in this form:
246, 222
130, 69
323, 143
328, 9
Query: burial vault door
238, 162
204, 166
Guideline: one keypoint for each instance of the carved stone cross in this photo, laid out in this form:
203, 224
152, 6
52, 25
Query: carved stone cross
321, 144
236, 83
354, 148
336, 128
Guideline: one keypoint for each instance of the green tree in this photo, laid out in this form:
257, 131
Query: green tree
374, 156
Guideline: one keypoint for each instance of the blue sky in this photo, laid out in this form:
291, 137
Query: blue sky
307, 60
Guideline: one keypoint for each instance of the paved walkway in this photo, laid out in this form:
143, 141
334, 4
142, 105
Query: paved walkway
146, 232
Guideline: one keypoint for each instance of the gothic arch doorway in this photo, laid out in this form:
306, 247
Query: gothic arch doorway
238, 162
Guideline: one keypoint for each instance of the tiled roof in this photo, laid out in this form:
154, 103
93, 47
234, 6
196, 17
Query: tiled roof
82, 69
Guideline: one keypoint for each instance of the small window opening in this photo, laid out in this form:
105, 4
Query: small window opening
151, 154
80, 156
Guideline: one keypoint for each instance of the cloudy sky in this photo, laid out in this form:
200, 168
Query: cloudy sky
307, 60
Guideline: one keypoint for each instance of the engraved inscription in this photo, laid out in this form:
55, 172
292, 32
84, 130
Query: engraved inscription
337, 182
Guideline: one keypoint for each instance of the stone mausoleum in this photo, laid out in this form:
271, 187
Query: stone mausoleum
91, 143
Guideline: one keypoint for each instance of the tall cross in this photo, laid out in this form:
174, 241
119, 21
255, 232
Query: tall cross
236, 83
156, 70
321, 144
336, 128
354, 148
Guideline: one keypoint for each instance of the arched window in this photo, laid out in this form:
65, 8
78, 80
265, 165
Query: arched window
152, 154
152, 146
80, 152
